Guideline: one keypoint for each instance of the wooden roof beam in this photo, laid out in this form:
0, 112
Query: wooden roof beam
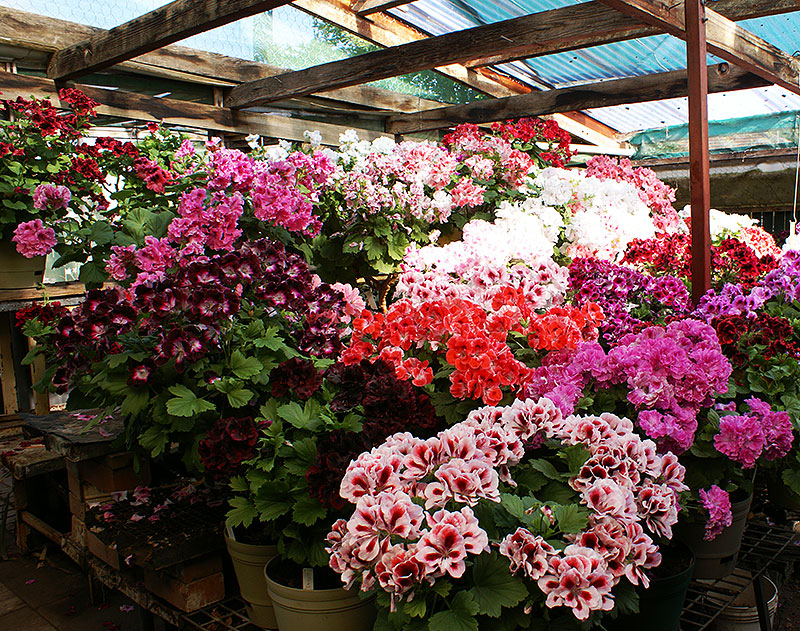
385, 30
724, 38
165, 25
589, 19
539, 32
666, 85
366, 7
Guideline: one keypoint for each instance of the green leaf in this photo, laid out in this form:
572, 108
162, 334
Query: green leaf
186, 403
239, 397
102, 233
293, 413
556, 492
270, 509
308, 511
494, 586
791, 477
513, 504
571, 518
92, 274
575, 457
238, 484
154, 440
460, 616
546, 468
243, 512
135, 402
416, 608
244, 367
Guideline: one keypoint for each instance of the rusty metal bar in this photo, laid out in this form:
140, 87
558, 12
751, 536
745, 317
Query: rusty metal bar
700, 182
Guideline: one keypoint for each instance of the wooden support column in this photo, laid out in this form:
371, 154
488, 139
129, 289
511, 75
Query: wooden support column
700, 182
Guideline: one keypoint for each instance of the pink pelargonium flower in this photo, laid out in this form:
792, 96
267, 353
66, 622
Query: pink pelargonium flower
399, 570
579, 580
442, 551
33, 238
741, 438
658, 506
469, 481
527, 552
718, 504
51, 197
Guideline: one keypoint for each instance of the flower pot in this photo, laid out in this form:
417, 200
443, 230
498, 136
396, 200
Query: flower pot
717, 558
16, 271
248, 563
742, 613
661, 604
330, 608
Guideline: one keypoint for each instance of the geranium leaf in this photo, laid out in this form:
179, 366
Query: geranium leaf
244, 367
154, 440
239, 397
571, 518
238, 484
308, 511
513, 505
546, 468
243, 512
293, 413
556, 492
575, 457
186, 403
270, 509
416, 608
460, 616
495, 587
136, 401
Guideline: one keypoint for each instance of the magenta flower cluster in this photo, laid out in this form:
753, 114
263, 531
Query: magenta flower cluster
717, 503
670, 374
627, 297
745, 438
33, 238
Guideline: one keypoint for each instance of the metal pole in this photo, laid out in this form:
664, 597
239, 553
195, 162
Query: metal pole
700, 181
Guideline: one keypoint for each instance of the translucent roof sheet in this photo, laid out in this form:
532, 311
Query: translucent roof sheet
660, 53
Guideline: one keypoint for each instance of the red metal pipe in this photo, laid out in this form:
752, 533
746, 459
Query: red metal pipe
700, 181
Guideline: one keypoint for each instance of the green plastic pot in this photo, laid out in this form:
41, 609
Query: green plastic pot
249, 562
324, 609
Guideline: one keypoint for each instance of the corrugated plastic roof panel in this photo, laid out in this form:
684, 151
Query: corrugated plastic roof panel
647, 55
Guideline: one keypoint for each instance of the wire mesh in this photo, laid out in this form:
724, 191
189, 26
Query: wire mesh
762, 545
229, 615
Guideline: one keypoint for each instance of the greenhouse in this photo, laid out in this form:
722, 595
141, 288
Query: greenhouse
399, 315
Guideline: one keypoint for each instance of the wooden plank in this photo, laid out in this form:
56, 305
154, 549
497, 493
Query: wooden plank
366, 7
620, 91
146, 108
36, 32
699, 170
539, 33
166, 25
42, 528
724, 38
593, 18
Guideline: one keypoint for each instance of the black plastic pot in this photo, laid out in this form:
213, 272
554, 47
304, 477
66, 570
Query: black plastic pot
660, 605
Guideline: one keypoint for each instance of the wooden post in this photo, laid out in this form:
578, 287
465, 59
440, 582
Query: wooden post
700, 181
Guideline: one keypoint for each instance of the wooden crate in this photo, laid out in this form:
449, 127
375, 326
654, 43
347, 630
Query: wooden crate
189, 586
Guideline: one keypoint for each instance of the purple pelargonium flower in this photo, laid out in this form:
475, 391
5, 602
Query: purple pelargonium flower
777, 428
51, 197
33, 238
718, 504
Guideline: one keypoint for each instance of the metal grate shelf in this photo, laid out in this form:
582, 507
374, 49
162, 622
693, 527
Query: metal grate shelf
229, 615
762, 545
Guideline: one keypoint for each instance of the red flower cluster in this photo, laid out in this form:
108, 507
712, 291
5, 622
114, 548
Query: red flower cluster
48, 121
533, 130
227, 444
473, 341
731, 260
773, 335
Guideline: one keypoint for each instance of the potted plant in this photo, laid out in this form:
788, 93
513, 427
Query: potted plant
516, 509
316, 421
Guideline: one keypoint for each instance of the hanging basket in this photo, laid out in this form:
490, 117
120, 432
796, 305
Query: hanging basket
16, 271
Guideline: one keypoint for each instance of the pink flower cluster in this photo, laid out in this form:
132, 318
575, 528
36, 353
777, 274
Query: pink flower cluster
207, 220
744, 438
407, 529
670, 372
33, 238
718, 504
51, 197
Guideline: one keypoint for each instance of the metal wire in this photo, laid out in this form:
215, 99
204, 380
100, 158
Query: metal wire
762, 545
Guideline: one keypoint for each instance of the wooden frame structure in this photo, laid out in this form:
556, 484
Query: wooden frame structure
145, 44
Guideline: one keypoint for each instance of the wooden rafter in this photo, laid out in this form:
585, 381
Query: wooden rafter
652, 87
366, 7
384, 30
165, 25
593, 24
724, 38
129, 105
28, 31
